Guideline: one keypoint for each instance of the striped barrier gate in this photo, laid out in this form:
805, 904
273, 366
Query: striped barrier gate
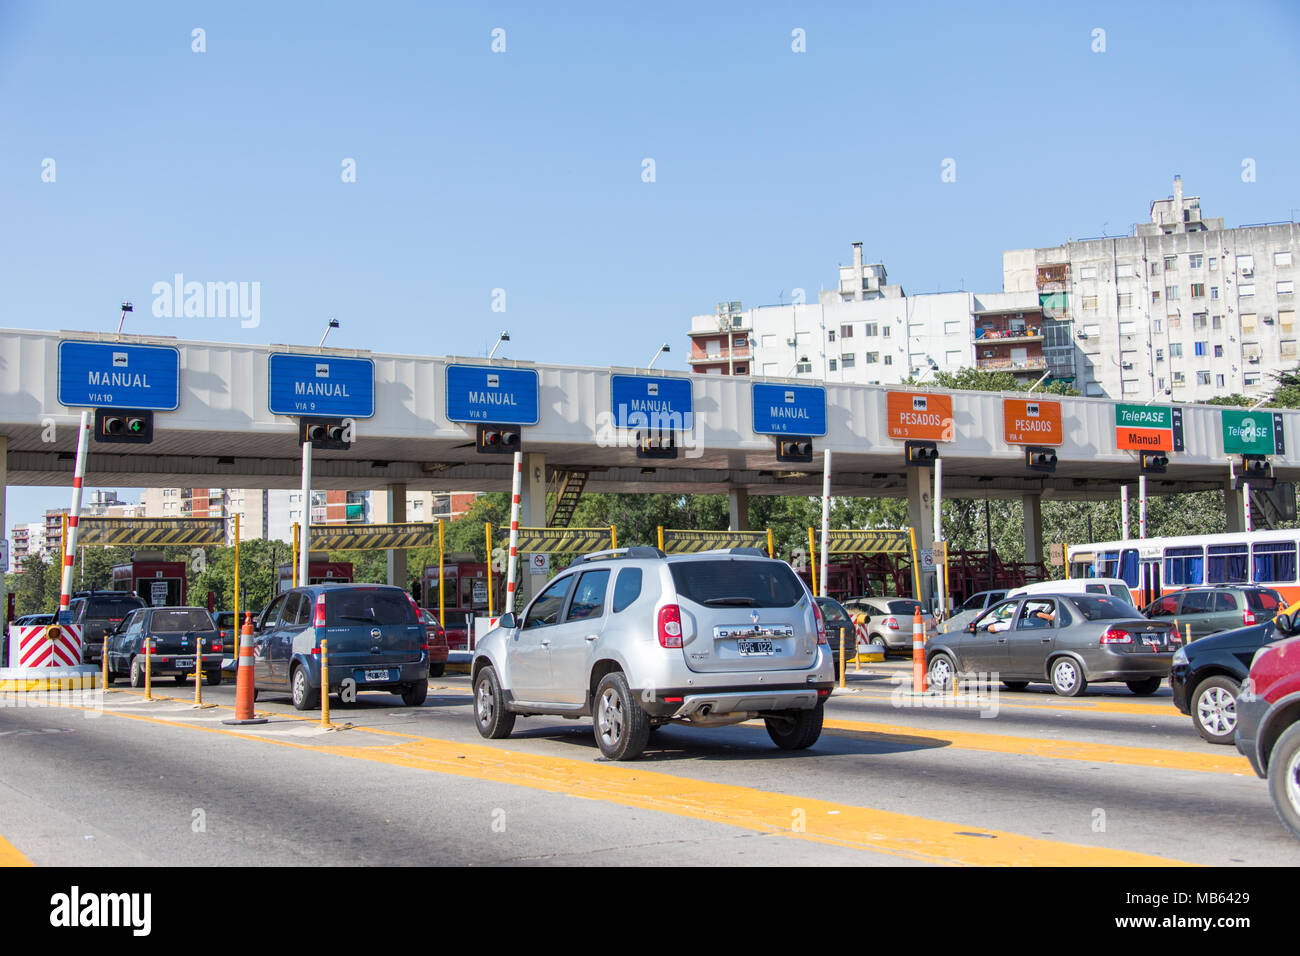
45, 645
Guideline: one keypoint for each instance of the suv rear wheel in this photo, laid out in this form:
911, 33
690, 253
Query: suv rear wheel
415, 694
305, 697
622, 728
490, 715
1214, 709
1284, 778
796, 729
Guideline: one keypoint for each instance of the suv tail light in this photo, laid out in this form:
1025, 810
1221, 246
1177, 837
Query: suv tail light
319, 620
891, 623
1248, 617
670, 626
416, 608
821, 623
1115, 635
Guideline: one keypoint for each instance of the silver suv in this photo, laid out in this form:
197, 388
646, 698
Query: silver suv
638, 639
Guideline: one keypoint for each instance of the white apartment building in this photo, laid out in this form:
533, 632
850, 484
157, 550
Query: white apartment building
868, 331
1183, 308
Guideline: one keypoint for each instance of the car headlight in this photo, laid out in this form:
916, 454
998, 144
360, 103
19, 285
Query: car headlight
1180, 656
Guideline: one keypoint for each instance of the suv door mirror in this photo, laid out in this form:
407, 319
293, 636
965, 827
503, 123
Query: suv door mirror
1284, 624
508, 621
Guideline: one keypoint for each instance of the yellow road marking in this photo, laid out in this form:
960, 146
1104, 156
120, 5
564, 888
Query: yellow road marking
1082, 707
1055, 749
10, 856
794, 817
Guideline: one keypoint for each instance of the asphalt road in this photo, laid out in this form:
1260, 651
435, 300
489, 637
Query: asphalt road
1021, 778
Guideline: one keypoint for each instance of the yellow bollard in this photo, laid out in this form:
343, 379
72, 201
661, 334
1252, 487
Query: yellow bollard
843, 662
148, 668
324, 684
1189, 634
198, 672
103, 654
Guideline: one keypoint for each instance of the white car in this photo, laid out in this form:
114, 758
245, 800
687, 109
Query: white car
1112, 586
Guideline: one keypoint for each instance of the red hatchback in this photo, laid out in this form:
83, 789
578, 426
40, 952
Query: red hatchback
1268, 720
438, 649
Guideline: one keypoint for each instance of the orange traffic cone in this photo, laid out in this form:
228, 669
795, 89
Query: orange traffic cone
918, 653
244, 678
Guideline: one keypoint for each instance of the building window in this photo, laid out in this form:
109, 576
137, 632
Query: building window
1125, 300
1285, 287
1088, 272
1286, 318
1248, 321
1160, 355
846, 331
1198, 290
1288, 348
872, 330
1175, 350
1155, 295
832, 364
1214, 292
1171, 262
1218, 380
1179, 379
1214, 264
803, 368
1128, 328
1202, 378
1218, 351
1246, 266
889, 359
848, 360
1155, 268
1200, 320
1199, 348
1090, 303
1175, 321
952, 328
1250, 379
1157, 325
1246, 290
1171, 292
1123, 270
1194, 260
830, 336
1216, 322
873, 358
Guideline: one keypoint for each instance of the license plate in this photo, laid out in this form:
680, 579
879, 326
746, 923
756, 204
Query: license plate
754, 648
374, 677
184, 663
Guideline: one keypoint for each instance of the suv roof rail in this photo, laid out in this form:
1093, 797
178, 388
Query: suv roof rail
748, 551
610, 554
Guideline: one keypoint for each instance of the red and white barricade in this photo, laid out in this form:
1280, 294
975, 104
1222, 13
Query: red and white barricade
45, 645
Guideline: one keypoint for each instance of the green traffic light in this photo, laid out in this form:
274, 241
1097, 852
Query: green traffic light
136, 424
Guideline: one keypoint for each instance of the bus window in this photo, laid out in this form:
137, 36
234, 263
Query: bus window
1128, 567
1107, 565
1227, 564
1184, 566
1081, 569
1275, 563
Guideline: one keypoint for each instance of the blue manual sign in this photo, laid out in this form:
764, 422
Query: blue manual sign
119, 375
482, 393
321, 386
657, 404
789, 410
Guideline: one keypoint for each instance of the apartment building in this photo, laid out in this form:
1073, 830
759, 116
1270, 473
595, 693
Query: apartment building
1183, 308
28, 541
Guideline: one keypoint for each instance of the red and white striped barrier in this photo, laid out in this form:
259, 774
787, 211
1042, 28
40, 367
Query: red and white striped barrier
45, 645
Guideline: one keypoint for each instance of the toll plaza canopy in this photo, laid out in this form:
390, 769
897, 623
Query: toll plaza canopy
415, 419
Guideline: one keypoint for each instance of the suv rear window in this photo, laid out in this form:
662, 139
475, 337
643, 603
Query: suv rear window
368, 606
1263, 600
111, 605
723, 583
904, 607
1102, 608
180, 619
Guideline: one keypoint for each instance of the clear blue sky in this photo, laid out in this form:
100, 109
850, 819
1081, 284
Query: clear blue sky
523, 170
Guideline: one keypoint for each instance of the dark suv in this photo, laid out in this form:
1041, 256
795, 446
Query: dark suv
98, 614
1268, 733
1209, 610
377, 641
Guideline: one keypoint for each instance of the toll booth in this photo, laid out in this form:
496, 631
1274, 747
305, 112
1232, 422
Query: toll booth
157, 582
466, 596
320, 570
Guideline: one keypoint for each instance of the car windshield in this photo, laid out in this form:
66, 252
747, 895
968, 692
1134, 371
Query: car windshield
367, 606
737, 583
180, 619
1102, 608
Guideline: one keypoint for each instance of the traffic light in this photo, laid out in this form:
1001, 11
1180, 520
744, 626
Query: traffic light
1040, 459
659, 444
794, 449
1154, 463
327, 433
499, 439
116, 425
921, 453
1256, 471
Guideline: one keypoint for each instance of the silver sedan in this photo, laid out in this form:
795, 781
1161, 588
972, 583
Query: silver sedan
1068, 640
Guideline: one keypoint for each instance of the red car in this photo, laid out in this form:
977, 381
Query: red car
438, 649
1268, 720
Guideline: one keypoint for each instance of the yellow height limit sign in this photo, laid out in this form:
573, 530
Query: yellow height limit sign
563, 540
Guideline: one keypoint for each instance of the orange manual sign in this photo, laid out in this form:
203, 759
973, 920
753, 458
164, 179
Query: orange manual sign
1031, 423
920, 415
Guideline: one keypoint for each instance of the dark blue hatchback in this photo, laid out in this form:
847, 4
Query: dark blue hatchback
376, 642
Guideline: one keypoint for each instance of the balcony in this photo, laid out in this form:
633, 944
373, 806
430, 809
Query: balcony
1030, 333
1031, 364
738, 354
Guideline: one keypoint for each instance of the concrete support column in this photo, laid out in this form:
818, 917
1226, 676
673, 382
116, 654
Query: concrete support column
1033, 525
1234, 509
738, 499
920, 515
532, 514
395, 513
